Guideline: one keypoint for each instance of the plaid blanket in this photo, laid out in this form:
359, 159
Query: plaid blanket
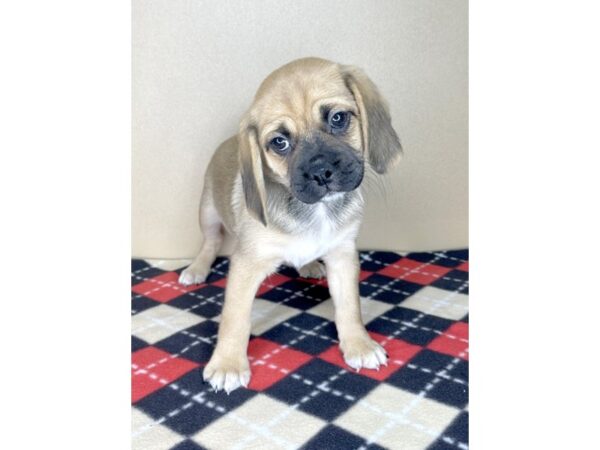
302, 395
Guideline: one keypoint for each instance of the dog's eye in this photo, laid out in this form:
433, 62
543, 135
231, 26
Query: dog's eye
280, 144
338, 121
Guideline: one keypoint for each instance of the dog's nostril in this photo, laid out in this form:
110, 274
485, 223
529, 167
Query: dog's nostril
306, 176
328, 174
321, 179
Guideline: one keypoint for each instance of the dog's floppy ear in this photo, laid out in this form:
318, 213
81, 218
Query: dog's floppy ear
380, 141
251, 166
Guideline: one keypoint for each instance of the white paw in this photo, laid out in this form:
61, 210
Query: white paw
363, 352
314, 269
190, 276
227, 373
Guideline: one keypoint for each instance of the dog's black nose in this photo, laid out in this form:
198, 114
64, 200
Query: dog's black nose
321, 174
319, 169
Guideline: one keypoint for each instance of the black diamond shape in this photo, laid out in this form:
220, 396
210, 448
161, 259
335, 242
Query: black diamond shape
288, 271
462, 254
206, 301
423, 369
141, 303
297, 294
188, 445
137, 344
387, 289
444, 259
334, 438
457, 432
144, 273
427, 257
188, 344
299, 333
374, 261
138, 264
409, 325
455, 280
332, 399
218, 270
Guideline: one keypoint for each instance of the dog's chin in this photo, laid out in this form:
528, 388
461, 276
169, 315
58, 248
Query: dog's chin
321, 194
310, 194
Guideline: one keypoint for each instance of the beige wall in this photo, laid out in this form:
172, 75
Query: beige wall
197, 64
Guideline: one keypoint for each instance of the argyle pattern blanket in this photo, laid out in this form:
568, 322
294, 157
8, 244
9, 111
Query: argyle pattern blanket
301, 394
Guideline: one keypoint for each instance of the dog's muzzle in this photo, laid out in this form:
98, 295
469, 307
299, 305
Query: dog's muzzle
322, 166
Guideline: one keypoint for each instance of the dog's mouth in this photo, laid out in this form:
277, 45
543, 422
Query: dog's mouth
323, 166
327, 184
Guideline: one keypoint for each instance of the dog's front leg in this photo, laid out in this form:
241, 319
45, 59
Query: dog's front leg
358, 349
228, 367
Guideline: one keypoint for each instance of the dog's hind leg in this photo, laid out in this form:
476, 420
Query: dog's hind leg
212, 231
315, 269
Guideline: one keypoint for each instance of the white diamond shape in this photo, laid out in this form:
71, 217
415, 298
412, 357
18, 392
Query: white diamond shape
159, 322
260, 423
397, 418
439, 302
147, 435
370, 309
266, 315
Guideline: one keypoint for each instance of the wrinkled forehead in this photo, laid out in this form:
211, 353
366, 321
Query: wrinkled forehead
297, 99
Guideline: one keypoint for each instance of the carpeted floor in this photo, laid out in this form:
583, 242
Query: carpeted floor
302, 395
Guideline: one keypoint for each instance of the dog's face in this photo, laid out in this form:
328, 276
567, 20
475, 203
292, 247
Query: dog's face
312, 126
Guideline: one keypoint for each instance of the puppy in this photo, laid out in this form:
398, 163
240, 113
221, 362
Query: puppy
287, 187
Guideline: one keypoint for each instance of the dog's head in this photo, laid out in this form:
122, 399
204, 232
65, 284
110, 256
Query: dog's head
311, 128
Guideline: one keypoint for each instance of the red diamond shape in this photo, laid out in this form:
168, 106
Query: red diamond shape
164, 288
221, 282
454, 341
464, 266
316, 281
399, 353
416, 272
151, 369
270, 282
364, 274
270, 362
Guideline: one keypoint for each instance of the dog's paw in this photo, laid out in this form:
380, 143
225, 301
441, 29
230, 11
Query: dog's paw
193, 276
227, 373
314, 269
363, 352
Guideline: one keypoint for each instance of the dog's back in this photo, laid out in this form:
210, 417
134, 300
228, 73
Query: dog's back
220, 177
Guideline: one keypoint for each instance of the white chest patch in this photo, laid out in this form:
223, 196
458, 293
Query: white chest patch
318, 239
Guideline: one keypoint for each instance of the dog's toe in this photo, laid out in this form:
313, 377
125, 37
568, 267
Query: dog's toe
227, 374
363, 352
189, 277
186, 278
314, 269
